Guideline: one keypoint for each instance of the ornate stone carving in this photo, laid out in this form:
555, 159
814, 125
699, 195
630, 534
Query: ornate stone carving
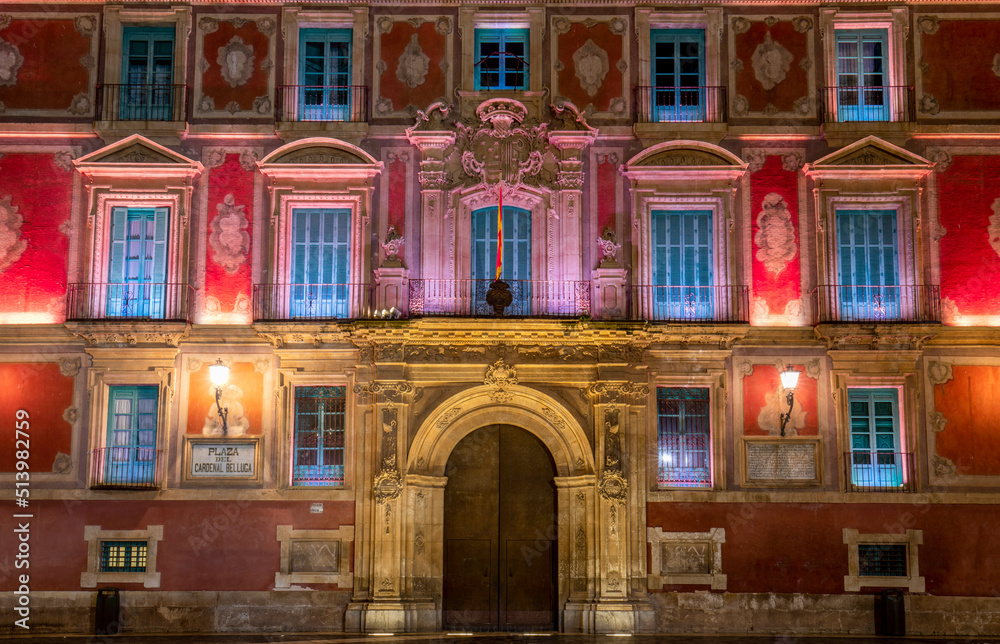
448, 417
929, 104
69, 367
500, 154
740, 25
775, 237
802, 24
553, 417
618, 392
320, 156
391, 246
413, 64
939, 372
12, 246
236, 60
387, 486
792, 162
814, 368
771, 62
391, 391
609, 247
943, 467
613, 487
928, 25
229, 239
500, 377
443, 25
937, 422
612, 440
755, 160
940, 157
10, 63
590, 63
71, 415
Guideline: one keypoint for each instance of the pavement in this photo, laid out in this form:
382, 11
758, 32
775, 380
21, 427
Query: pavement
478, 638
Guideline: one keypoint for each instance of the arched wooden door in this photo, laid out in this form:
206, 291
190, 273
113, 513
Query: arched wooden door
500, 533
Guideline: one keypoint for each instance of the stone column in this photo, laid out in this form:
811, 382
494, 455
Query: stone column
436, 232
564, 231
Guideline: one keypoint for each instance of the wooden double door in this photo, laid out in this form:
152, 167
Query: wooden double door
500, 533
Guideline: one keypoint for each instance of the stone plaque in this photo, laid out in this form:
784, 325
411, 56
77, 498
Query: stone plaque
781, 461
686, 558
222, 459
315, 556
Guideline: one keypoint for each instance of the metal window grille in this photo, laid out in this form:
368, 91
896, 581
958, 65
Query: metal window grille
319, 436
683, 437
123, 556
882, 560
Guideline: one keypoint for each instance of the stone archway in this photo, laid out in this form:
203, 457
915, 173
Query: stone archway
545, 418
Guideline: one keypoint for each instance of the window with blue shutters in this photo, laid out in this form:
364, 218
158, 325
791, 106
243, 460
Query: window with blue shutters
319, 436
130, 456
320, 254
147, 74
324, 74
683, 433
678, 74
516, 269
862, 72
501, 59
868, 265
138, 263
876, 458
681, 254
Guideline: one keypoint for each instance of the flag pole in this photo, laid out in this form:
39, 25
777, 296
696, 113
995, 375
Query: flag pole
499, 234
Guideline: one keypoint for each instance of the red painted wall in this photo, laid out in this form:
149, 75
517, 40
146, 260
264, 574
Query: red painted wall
212, 82
230, 179
970, 267
776, 290
397, 195
969, 401
207, 545
796, 82
42, 391
433, 45
41, 191
607, 188
765, 381
799, 548
201, 397
52, 72
960, 65
569, 84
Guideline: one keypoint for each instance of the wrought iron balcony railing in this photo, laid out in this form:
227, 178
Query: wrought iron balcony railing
529, 298
704, 104
326, 103
125, 468
142, 102
132, 301
862, 303
873, 103
311, 301
876, 471
691, 303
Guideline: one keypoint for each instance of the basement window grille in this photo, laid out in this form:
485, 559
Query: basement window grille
123, 556
882, 560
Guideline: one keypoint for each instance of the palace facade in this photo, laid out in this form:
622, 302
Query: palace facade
698, 201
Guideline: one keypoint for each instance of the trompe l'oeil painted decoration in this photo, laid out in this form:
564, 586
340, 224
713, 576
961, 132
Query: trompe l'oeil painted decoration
775, 237
229, 240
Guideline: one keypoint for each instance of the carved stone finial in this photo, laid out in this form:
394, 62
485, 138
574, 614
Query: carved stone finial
391, 245
609, 246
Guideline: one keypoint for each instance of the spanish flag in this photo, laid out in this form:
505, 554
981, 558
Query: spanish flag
500, 235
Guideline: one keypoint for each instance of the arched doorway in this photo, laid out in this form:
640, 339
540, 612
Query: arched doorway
500, 533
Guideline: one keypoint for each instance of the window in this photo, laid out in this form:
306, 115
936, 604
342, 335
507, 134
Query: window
862, 65
501, 59
886, 560
882, 559
516, 264
147, 74
138, 263
678, 74
868, 266
319, 436
683, 437
876, 459
321, 251
130, 455
123, 556
681, 253
324, 75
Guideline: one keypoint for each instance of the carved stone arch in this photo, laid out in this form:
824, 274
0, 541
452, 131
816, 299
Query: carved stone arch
528, 409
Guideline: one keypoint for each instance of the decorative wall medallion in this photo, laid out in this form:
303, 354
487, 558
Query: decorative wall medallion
755, 160
69, 367
944, 467
10, 62
609, 247
80, 105
500, 376
11, 244
71, 415
740, 25
929, 104
775, 235
391, 246
993, 230
792, 162
928, 24
613, 487
940, 372
937, 422
591, 65
236, 60
771, 62
413, 64
741, 106
802, 24
387, 486
229, 239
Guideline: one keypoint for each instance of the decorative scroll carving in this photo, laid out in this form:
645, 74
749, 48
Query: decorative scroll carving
391, 391
619, 392
447, 418
613, 487
937, 422
609, 249
612, 440
501, 377
391, 245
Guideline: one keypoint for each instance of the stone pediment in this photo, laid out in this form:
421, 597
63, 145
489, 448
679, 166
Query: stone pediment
870, 151
319, 158
139, 157
684, 159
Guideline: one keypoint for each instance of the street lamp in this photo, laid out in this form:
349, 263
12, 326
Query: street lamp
219, 373
789, 380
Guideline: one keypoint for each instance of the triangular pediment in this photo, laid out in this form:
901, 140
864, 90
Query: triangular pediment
685, 154
135, 149
871, 151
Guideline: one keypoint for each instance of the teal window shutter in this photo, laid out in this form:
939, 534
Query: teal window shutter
876, 460
116, 272
319, 436
862, 66
678, 74
147, 73
130, 456
320, 262
324, 74
484, 243
501, 59
683, 436
516, 270
137, 268
868, 266
681, 264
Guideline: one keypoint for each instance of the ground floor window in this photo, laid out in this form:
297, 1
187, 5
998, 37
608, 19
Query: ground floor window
319, 436
683, 437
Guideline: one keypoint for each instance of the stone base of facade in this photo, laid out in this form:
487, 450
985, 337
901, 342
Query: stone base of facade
332, 611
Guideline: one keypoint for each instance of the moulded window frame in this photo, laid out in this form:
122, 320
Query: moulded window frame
716, 434
472, 19
292, 427
913, 582
895, 23
900, 437
94, 535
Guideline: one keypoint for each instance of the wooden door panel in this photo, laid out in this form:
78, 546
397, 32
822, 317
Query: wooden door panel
469, 584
